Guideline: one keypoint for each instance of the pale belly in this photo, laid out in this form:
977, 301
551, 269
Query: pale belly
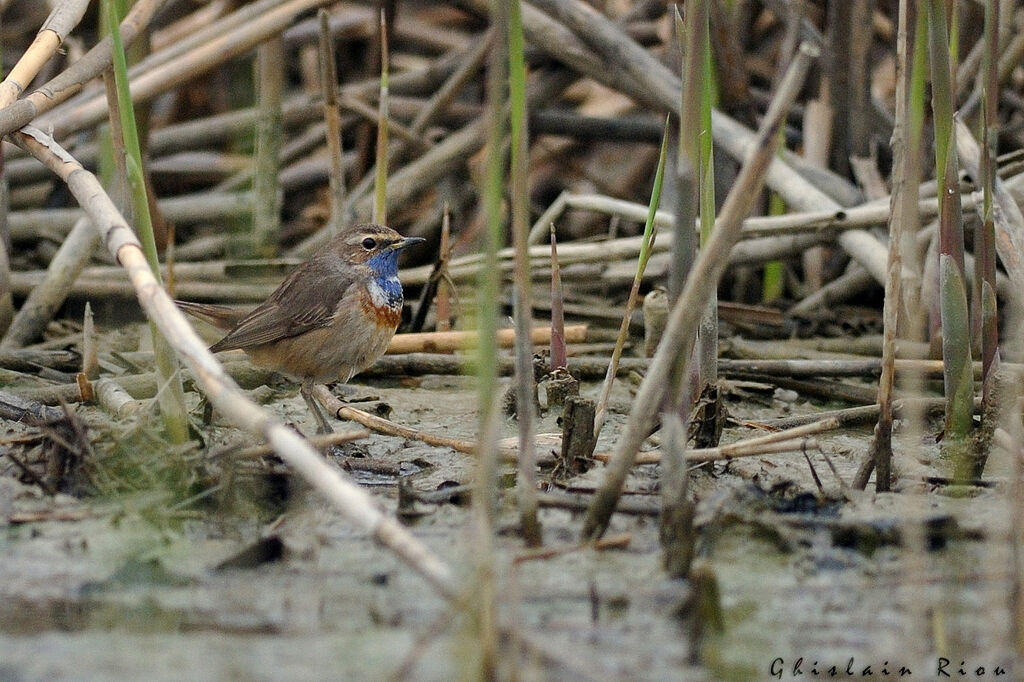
338, 352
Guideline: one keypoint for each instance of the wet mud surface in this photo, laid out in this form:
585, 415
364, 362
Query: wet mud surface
102, 589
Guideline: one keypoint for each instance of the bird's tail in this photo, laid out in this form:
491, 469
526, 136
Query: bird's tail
219, 316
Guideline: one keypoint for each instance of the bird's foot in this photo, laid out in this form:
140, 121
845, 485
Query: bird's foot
323, 426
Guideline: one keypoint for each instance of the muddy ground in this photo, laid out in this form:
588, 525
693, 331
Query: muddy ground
136, 586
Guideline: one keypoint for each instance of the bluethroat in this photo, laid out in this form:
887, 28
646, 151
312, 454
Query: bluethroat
330, 319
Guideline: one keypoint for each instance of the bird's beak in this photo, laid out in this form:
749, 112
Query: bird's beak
406, 241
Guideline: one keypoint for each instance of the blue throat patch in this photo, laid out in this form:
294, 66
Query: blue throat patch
385, 272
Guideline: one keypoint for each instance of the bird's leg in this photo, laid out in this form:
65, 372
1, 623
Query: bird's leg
322, 425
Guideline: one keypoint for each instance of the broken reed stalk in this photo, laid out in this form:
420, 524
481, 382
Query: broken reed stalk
351, 500
90, 348
380, 180
903, 218
956, 336
676, 531
266, 217
332, 115
559, 356
444, 283
171, 397
677, 342
646, 248
520, 208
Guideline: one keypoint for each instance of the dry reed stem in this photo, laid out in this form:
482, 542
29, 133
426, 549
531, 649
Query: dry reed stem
451, 341
266, 218
1008, 220
160, 72
70, 81
902, 218
63, 18
677, 341
332, 115
90, 348
46, 297
519, 188
595, 46
557, 346
352, 501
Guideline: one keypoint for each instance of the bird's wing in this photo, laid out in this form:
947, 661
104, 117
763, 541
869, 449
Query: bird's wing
297, 306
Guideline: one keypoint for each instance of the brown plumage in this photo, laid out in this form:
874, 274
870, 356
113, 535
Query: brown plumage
330, 319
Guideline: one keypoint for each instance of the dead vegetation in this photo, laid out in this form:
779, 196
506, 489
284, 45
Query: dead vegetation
709, 313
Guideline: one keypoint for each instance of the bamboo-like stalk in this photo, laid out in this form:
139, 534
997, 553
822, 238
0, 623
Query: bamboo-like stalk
332, 115
956, 347
172, 396
356, 504
380, 181
266, 216
520, 205
677, 341
646, 248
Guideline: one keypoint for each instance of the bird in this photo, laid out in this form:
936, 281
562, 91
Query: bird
333, 317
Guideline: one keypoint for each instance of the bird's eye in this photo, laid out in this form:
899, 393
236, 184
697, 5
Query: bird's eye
369, 243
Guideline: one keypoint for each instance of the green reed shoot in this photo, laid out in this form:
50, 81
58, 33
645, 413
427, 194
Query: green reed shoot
984, 239
171, 396
650, 232
519, 171
956, 346
482, 658
695, 168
